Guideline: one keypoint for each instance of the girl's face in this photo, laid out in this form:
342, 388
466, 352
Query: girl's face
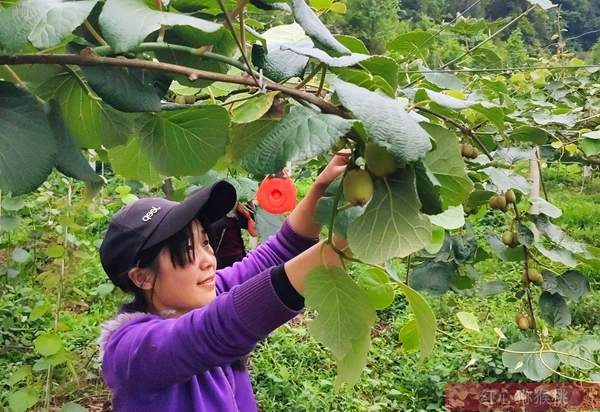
185, 288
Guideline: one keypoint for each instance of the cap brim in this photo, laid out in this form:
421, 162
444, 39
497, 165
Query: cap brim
209, 204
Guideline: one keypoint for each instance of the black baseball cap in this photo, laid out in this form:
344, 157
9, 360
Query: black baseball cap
149, 221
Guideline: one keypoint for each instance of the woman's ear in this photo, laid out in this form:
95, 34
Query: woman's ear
141, 277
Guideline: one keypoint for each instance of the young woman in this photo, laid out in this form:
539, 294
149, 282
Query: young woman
181, 344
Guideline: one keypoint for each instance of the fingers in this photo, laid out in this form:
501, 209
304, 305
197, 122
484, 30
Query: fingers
344, 152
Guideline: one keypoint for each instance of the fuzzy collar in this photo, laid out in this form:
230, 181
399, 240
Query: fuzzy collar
110, 326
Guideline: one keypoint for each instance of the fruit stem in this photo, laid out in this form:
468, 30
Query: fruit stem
344, 207
334, 212
322, 83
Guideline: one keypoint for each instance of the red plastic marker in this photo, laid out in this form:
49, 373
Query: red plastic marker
277, 194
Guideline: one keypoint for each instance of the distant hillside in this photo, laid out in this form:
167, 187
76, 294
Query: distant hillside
580, 18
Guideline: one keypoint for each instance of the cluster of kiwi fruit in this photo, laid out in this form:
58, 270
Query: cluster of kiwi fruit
524, 321
358, 183
502, 202
468, 151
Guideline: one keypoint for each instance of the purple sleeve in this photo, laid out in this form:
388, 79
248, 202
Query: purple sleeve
278, 249
153, 353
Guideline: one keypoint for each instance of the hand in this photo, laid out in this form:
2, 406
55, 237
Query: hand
334, 168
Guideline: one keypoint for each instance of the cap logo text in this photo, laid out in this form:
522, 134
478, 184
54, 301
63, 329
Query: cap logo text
148, 216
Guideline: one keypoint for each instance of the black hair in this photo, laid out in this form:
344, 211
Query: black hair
182, 250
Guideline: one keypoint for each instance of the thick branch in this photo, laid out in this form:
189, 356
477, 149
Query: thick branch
192, 74
153, 46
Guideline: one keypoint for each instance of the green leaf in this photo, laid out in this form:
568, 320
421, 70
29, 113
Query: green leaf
39, 310
13, 204
69, 159
89, 121
449, 102
55, 251
21, 374
409, 337
392, 225
221, 41
339, 7
409, 44
479, 198
494, 287
468, 320
344, 311
301, 135
557, 236
554, 309
9, 223
383, 66
484, 57
281, 65
530, 364
546, 118
557, 254
73, 407
48, 344
443, 80
375, 283
428, 189
573, 285
353, 44
245, 137
315, 29
452, 218
509, 254
590, 147
128, 89
386, 122
185, 142
20, 255
424, 317
323, 57
573, 352
251, 109
432, 277
544, 4
267, 224
131, 162
447, 165
542, 206
43, 22
505, 180
23, 399
438, 236
595, 135
342, 219
530, 134
494, 114
117, 15
104, 289
350, 367
321, 4
27, 144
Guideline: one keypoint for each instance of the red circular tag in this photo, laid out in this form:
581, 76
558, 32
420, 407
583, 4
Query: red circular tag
277, 194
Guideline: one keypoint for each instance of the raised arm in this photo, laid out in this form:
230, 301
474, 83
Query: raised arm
299, 232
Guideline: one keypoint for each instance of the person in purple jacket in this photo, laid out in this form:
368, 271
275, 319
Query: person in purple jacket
181, 344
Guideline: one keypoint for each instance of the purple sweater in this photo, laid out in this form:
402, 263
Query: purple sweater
179, 364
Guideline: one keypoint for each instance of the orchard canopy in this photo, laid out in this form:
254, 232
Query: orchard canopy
169, 90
